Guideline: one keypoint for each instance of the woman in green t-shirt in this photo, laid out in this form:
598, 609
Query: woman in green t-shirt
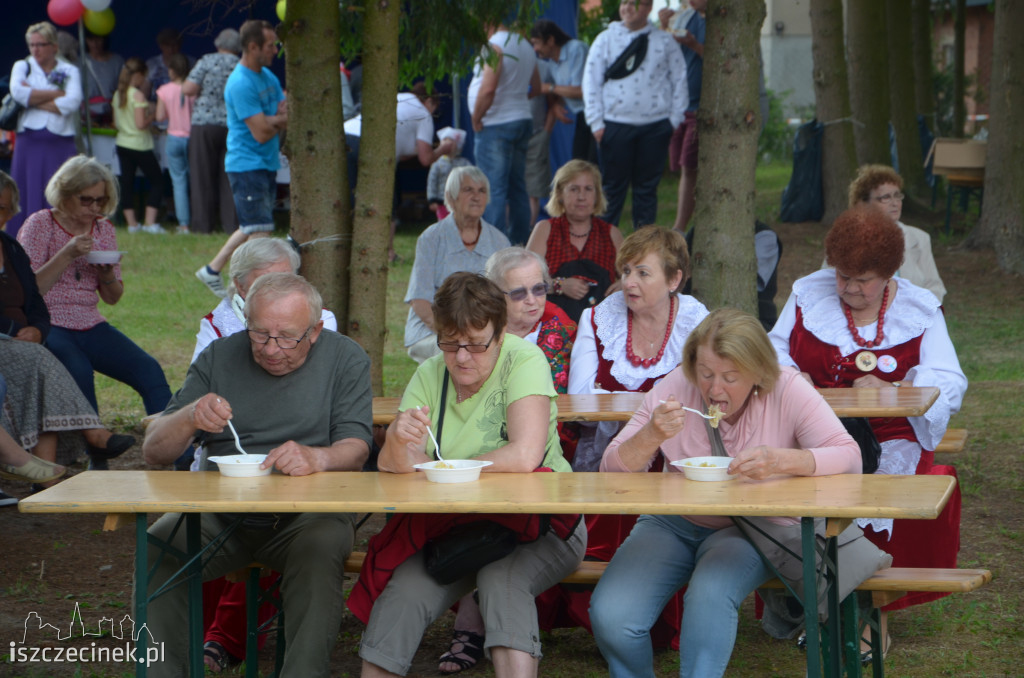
495, 392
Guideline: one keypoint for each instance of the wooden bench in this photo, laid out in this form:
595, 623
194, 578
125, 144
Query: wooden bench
886, 586
953, 442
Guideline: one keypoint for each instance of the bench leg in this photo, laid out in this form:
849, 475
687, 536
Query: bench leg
252, 610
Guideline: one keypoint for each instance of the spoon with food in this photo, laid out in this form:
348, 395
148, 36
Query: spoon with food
713, 416
437, 448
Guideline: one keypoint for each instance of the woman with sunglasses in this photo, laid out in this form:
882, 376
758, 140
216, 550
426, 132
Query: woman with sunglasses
84, 194
488, 396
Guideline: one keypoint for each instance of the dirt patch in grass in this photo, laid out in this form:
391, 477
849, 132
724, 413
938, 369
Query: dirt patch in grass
48, 563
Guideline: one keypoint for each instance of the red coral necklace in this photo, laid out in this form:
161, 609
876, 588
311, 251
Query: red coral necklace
633, 358
880, 334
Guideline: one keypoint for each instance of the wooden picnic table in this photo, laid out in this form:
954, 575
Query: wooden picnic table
845, 402
137, 493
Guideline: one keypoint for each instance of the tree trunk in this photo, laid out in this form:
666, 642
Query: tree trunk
724, 266
868, 63
375, 186
924, 90
903, 112
832, 95
316, 154
959, 93
1002, 219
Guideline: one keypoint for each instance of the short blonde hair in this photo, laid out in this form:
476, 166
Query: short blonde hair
567, 173
667, 243
77, 174
43, 28
736, 336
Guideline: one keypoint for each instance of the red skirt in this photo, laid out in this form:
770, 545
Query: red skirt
923, 543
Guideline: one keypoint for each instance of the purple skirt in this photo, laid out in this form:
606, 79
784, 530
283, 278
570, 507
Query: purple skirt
38, 154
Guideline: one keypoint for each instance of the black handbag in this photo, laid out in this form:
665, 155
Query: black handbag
10, 111
870, 450
465, 548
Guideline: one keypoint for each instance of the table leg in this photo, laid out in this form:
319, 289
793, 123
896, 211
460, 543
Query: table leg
141, 589
195, 594
830, 568
810, 598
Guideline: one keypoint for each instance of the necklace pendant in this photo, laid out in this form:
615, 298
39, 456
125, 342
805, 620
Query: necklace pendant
866, 361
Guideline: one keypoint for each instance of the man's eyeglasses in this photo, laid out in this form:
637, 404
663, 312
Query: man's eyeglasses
889, 197
287, 343
453, 347
519, 293
88, 201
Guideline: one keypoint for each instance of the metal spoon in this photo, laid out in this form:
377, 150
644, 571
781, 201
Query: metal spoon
238, 443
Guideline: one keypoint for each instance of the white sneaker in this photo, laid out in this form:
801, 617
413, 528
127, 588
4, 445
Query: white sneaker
153, 228
182, 230
134, 229
212, 281
8, 500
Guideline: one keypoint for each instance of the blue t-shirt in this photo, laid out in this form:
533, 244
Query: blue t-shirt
694, 62
246, 94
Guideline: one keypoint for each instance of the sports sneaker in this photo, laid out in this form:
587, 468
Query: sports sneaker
134, 229
8, 500
153, 228
213, 281
182, 230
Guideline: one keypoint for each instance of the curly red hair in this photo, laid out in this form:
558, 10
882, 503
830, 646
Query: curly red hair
864, 240
870, 177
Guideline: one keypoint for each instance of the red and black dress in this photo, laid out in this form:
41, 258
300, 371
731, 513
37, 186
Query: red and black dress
812, 334
594, 263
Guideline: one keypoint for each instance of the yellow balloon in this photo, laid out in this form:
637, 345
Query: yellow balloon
99, 23
281, 5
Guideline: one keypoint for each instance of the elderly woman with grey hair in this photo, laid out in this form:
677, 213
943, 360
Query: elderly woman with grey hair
84, 195
462, 241
253, 259
209, 190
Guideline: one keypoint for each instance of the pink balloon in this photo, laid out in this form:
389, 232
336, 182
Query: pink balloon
65, 12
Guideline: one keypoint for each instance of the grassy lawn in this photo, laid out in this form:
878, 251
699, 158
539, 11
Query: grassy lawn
973, 635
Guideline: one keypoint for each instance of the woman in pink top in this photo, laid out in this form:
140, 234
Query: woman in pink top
774, 422
172, 105
84, 194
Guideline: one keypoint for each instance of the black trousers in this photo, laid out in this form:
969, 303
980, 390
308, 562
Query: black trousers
634, 155
584, 145
131, 161
209, 188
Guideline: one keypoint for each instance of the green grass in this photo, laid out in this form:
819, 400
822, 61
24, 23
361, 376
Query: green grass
973, 635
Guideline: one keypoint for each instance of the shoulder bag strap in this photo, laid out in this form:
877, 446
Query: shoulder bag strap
444, 402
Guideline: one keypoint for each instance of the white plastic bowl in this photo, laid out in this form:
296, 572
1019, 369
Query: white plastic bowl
241, 465
103, 256
706, 468
462, 471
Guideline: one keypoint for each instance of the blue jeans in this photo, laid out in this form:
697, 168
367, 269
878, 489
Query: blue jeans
660, 556
254, 194
177, 165
104, 349
500, 152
